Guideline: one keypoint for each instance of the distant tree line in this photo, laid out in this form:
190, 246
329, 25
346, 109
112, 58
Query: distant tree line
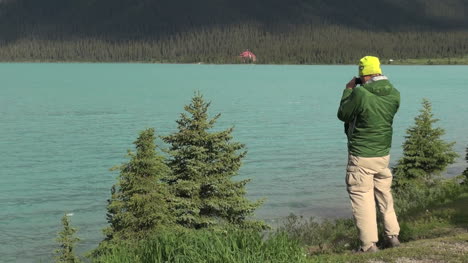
300, 45
296, 32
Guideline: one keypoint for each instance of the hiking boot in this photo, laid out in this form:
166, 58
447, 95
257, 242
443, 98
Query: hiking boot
371, 249
392, 241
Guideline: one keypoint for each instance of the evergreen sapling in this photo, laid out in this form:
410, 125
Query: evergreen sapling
204, 163
139, 204
67, 240
425, 154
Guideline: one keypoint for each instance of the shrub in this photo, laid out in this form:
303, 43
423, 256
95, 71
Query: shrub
413, 197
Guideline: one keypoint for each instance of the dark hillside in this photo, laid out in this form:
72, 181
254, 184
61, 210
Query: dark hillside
222, 28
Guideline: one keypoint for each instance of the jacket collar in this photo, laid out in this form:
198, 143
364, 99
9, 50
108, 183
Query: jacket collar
376, 78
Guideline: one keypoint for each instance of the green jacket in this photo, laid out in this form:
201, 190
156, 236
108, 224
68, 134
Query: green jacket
368, 113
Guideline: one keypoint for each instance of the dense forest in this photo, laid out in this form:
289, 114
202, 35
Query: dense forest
216, 31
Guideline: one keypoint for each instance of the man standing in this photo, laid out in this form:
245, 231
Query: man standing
368, 112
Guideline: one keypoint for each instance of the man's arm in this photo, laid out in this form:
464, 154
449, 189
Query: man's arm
349, 105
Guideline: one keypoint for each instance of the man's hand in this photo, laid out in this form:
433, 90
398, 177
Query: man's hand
351, 84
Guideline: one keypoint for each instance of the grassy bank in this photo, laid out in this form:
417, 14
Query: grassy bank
187, 246
438, 234
453, 248
433, 234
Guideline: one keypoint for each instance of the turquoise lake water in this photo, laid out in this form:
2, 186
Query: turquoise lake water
64, 125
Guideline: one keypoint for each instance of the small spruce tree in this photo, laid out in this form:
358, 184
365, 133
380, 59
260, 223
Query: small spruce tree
67, 240
140, 200
425, 154
203, 164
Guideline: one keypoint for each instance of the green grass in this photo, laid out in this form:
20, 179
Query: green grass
440, 220
413, 198
444, 249
437, 233
440, 235
327, 236
192, 246
414, 209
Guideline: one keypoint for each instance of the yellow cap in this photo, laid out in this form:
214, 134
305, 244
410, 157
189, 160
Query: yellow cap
369, 65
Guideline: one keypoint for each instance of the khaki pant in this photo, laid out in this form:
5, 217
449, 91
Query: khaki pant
369, 181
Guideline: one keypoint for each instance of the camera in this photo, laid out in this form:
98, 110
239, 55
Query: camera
358, 81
